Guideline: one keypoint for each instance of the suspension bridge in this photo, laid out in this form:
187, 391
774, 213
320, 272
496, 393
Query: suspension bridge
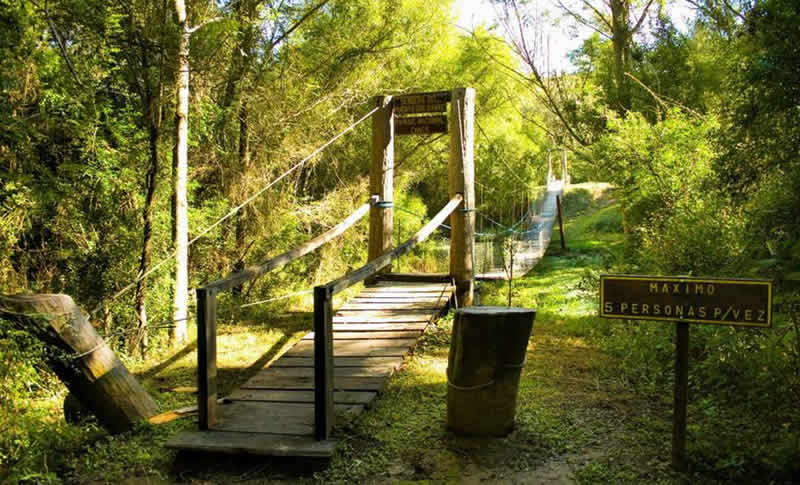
332, 374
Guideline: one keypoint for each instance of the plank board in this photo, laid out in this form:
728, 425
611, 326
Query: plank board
399, 312
357, 348
378, 370
378, 327
404, 290
382, 317
299, 383
267, 395
273, 412
253, 443
410, 286
277, 418
397, 298
407, 334
340, 362
390, 306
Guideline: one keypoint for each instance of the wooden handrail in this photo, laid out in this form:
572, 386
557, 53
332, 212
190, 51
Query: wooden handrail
207, 313
256, 271
381, 262
323, 323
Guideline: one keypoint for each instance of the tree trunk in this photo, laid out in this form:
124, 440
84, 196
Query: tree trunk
179, 329
244, 164
618, 42
487, 353
81, 359
621, 37
140, 337
173, 206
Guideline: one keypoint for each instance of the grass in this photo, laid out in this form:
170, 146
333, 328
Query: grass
583, 414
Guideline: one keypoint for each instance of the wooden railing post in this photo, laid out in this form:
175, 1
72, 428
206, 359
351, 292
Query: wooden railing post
560, 222
323, 363
207, 357
461, 180
381, 175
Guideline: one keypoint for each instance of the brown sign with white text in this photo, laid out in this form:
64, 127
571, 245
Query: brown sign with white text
718, 301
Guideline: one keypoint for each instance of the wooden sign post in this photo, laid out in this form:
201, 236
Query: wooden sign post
684, 300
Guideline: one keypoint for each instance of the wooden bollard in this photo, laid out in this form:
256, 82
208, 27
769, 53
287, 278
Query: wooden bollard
81, 358
487, 353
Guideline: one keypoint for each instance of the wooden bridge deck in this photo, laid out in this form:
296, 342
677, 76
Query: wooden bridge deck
273, 412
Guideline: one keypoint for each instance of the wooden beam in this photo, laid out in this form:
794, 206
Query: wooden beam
435, 97
372, 267
381, 174
253, 443
416, 277
256, 271
461, 180
323, 363
207, 357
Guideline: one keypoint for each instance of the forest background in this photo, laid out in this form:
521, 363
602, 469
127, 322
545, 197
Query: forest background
698, 130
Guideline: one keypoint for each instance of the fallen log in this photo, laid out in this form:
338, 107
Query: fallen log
81, 359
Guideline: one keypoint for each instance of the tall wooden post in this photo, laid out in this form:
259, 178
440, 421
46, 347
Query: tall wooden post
323, 363
207, 357
679, 462
461, 180
564, 172
549, 168
381, 173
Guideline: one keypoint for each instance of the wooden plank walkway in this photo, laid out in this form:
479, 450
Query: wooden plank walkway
273, 412
530, 246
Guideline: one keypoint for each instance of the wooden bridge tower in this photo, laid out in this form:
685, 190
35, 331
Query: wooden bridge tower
411, 115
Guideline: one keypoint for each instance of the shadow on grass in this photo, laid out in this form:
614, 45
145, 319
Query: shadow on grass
161, 366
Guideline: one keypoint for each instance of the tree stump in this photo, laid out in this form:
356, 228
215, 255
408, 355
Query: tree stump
81, 359
487, 353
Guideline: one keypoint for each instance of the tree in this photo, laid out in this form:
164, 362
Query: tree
617, 21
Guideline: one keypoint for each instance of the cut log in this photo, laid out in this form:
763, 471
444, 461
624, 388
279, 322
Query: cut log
81, 359
487, 353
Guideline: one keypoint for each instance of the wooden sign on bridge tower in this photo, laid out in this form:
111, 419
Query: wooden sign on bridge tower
425, 114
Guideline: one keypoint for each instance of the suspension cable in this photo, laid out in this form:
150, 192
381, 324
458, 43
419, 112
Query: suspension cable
236, 209
422, 218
